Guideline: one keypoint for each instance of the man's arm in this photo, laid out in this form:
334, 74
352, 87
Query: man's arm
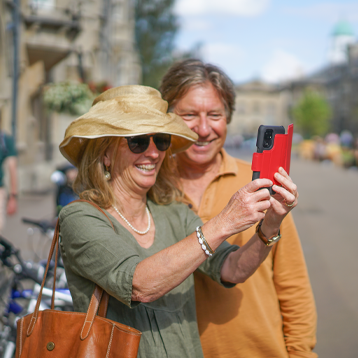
294, 293
12, 202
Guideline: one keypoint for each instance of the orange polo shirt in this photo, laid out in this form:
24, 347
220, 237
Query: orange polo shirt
272, 314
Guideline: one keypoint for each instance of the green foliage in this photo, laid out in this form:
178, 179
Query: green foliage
68, 97
348, 158
312, 114
155, 28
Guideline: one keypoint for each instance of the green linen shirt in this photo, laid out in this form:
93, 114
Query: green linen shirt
93, 252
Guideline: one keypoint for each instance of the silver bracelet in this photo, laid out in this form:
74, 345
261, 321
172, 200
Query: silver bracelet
203, 243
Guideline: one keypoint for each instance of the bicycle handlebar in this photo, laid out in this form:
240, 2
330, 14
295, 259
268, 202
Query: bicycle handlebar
44, 225
32, 271
7, 244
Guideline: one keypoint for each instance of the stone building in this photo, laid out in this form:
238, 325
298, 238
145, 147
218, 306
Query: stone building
258, 103
342, 36
338, 83
59, 40
103, 54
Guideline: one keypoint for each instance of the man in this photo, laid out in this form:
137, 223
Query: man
8, 202
272, 314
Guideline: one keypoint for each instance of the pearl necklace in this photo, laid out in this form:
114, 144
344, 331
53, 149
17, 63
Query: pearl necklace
130, 225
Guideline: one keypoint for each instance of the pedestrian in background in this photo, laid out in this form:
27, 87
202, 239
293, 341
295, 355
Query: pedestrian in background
273, 313
63, 177
8, 161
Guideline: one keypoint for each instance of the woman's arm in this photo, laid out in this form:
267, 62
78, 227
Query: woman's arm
160, 273
242, 263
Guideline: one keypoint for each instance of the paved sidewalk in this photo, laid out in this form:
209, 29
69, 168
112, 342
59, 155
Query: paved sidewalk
37, 207
326, 219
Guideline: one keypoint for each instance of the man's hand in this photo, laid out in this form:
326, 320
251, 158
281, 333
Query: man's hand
285, 199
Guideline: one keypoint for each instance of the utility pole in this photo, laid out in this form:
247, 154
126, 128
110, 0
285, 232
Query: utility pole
15, 79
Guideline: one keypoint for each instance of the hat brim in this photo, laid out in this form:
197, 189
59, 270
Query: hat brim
125, 125
123, 116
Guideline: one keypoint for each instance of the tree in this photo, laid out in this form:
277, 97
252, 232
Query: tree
312, 114
155, 28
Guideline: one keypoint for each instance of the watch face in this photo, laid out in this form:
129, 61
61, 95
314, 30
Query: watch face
267, 242
273, 240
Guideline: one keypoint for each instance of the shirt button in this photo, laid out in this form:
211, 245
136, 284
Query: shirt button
190, 206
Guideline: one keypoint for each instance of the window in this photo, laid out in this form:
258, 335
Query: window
256, 107
117, 12
42, 4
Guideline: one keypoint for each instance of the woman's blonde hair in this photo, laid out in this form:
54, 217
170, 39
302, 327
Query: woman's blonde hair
91, 184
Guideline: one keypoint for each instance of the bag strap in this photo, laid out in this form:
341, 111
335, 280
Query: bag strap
97, 296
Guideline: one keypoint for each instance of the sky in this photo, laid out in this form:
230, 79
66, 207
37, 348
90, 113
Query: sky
272, 40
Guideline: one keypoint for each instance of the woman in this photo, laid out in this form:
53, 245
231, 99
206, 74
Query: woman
122, 149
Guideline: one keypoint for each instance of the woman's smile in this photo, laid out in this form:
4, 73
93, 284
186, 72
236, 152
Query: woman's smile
146, 168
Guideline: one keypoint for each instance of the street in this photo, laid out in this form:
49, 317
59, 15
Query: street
326, 218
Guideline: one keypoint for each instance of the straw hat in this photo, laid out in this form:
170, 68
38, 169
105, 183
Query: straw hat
122, 112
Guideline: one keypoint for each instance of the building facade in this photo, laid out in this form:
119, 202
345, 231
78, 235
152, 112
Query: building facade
342, 36
258, 103
338, 83
59, 40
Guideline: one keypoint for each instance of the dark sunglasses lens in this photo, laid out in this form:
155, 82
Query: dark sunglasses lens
138, 144
162, 141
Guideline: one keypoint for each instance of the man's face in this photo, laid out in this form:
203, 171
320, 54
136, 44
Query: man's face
204, 113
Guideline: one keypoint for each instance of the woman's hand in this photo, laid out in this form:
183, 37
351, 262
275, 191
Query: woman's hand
246, 207
282, 202
242, 263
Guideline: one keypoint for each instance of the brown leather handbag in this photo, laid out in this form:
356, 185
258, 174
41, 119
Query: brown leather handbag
59, 334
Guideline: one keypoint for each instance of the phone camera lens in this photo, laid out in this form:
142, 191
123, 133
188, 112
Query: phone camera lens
267, 138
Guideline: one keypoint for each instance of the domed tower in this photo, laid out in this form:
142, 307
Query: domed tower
342, 36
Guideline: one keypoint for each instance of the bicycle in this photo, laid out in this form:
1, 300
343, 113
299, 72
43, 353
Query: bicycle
19, 301
36, 233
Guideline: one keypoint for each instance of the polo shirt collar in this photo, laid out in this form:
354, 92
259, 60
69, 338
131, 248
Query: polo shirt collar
228, 164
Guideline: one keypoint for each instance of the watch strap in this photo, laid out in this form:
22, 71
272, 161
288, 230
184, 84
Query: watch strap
267, 241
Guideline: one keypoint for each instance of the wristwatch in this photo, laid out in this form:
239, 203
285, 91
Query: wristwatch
267, 241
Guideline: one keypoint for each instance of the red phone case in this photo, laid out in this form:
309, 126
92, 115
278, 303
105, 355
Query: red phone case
268, 162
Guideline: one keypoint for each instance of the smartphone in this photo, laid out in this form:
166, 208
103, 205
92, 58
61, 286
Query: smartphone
272, 156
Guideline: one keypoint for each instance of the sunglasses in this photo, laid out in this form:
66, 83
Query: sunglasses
139, 144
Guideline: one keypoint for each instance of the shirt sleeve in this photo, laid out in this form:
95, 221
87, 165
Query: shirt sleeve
10, 146
294, 293
212, 265
96, 252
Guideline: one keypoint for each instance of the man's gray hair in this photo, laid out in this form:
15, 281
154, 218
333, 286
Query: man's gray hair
192, 72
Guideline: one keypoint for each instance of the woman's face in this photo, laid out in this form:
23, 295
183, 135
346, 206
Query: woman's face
135, 173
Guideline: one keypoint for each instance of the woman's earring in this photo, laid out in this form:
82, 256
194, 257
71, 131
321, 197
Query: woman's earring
107, 174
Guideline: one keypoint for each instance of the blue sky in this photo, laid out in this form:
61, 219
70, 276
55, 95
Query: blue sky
269, 39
